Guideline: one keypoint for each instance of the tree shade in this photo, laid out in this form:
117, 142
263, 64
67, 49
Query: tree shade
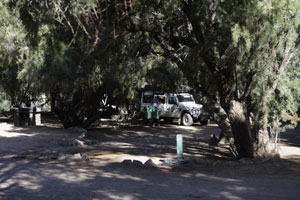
240, 57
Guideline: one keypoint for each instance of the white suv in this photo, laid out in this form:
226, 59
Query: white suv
180, 106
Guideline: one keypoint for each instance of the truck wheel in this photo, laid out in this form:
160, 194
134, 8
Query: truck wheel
187, 119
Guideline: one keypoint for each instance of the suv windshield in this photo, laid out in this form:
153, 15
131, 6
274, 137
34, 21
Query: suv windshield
148, 99
185, 98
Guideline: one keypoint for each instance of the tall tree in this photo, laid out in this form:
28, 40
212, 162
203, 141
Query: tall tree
13, 58
85, 68
240, 43
237, 47
227, 50
237, 54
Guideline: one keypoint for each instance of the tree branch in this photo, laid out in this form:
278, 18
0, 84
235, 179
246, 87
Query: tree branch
189, 12
288, 56
247, 90
138, 25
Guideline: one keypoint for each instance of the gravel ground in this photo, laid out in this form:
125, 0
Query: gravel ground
48, 162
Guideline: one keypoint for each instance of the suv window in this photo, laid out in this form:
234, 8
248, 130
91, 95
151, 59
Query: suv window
148, 99
185, 98
172, 100
160, 99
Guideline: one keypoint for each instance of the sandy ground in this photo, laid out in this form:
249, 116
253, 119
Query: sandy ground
48, 162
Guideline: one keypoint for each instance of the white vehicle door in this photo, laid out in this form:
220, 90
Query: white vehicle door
172, 109
160, 100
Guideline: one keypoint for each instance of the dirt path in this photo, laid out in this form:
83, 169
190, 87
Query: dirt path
34, 165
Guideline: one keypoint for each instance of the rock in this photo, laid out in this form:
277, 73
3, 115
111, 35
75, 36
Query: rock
126, 162
270, 148
77, 156
149, 162
277, 157
78, 143
62, 157
137, 163
85, 157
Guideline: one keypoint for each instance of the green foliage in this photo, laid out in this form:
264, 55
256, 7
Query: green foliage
81, 65
242, 52
272, 96
4, 102
84, 53
13, 55
285, 101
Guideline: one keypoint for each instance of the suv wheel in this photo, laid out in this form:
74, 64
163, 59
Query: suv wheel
187, 119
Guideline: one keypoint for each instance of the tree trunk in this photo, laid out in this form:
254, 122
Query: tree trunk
240, 130
74, 113
65, 112
221, 119
98, 115
263, 140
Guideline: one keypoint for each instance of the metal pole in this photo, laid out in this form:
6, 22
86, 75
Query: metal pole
179, 146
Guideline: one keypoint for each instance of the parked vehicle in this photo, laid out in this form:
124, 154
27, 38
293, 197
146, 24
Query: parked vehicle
174, 106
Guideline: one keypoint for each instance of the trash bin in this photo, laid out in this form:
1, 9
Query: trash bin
26, 116
16, 116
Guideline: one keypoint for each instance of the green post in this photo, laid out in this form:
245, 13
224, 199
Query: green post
179, 146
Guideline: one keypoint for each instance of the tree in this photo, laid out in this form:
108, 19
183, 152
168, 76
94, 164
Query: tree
224, 49
237, 54
82, 65
236, 49
4, 102
13, 58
